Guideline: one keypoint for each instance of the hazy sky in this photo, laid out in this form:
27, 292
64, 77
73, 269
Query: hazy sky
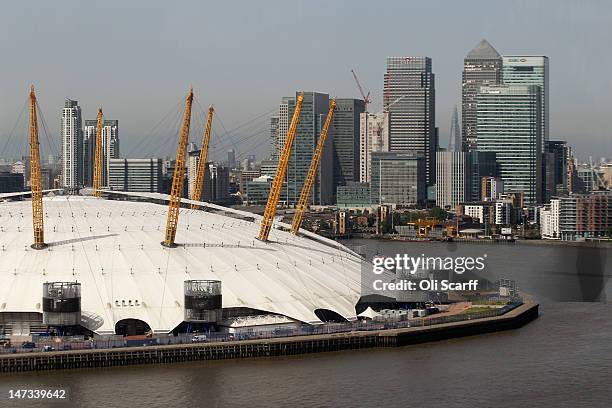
137, 59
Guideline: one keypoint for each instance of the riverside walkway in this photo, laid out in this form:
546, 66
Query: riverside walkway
284, 346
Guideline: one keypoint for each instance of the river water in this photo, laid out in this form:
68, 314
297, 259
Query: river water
563, 359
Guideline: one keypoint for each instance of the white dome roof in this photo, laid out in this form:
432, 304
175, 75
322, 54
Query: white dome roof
113, 249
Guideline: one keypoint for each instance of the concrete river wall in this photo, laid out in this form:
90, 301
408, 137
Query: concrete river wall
286, 346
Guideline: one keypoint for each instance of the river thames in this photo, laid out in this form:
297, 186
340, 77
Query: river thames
563, 359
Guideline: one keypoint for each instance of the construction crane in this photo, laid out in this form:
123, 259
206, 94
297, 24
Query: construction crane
35, 178
312, 172
366, 98
97, 179
178, 177
279, 177
199, 181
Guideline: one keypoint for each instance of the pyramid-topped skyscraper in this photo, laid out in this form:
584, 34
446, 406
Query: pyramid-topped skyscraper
481, 66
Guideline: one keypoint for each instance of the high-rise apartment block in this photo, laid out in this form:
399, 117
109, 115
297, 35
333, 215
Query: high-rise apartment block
72, 146
373, 137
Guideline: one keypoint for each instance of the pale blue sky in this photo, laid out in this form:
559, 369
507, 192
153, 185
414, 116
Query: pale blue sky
138, 58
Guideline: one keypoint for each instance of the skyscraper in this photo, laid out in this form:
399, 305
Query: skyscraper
312, 118
454, 142
481, 66
409, 97
72, 146
508, 123
529, 70
373, 137
346, 140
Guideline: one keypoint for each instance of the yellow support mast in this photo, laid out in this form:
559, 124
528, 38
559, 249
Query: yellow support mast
35, 178
312, 172
178, 177
199, 182
281, 170
97, 179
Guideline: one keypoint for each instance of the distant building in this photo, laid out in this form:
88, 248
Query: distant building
216, 179
268, 167
491, 188
452, 178
281, 125
398, 178
245, 176
558, 152
454, 140
312, 117
258, 190
231, 158
482, 164
20, 168
346, 140
479, 212
549, 220
481, 66
216, 185
11, 182
72, 145
373, 137
583, 216
110, 148
508, 124
137, 175
530, 70
409, 97
354, 195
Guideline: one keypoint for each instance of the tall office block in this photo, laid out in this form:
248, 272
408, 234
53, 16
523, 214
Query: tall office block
346, 140
138, 175
398, 178
409, 97
452, 179
481, 66
530, 70
312, 118
72, 145
373, 137
508, 123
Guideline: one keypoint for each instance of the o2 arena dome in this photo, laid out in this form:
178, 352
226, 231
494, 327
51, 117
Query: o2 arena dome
104, 261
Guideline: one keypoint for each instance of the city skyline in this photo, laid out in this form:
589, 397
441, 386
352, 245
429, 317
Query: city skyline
212, 57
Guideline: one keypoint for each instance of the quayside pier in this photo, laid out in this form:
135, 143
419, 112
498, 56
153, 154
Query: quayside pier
286, 346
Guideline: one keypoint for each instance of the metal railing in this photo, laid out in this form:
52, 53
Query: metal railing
116, 341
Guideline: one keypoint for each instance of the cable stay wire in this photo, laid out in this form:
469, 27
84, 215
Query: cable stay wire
10, 135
